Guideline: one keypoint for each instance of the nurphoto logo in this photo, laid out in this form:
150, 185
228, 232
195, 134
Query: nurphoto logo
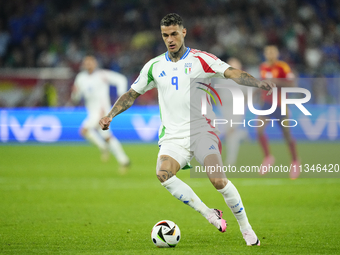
239, 104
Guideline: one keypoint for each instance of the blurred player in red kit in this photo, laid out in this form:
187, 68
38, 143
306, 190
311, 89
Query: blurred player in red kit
281, 74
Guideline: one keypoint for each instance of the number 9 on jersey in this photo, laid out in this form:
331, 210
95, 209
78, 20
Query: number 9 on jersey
174, 81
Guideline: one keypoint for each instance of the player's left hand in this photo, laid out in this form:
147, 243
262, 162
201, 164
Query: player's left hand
267, 85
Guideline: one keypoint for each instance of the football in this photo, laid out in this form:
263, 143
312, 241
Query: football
165, 234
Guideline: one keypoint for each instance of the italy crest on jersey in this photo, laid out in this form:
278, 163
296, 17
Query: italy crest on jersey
187, 68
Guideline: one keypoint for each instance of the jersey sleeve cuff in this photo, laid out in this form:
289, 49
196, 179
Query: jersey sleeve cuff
137, 90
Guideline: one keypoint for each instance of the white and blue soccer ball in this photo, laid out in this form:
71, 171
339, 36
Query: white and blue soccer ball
165, 234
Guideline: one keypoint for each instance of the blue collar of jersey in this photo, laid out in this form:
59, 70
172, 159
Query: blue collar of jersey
183, 57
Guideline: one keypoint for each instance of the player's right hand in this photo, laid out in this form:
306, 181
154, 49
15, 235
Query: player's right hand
105, 122
267, 85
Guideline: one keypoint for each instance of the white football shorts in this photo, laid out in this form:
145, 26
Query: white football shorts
184, 149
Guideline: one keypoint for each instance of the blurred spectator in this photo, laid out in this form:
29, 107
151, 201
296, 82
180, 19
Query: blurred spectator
4, 41
39, 33
50, 97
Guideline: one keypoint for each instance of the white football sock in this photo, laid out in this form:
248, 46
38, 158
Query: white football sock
234, 202
92, 136
117, 150
184, 193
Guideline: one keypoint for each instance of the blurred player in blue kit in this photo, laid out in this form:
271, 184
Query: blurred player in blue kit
186, 133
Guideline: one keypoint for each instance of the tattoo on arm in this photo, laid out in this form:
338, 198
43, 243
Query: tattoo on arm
241, 77
123, 103
246, 79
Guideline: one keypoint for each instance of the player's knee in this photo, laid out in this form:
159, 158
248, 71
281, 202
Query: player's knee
219, 183
166, 165
164, 171
260, 130
286, 131
164, 175
166, 168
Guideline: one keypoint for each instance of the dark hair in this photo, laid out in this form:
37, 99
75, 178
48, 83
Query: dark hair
172, 19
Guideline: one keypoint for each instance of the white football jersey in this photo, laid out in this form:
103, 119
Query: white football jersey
95, 90
182, 86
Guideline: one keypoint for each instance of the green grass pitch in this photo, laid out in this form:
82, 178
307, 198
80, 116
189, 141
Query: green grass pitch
61, 199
